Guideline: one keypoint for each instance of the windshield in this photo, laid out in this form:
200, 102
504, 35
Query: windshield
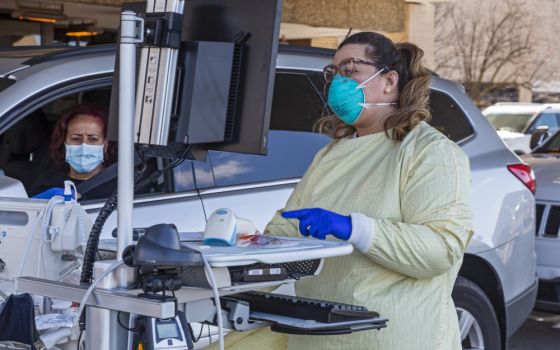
514, 122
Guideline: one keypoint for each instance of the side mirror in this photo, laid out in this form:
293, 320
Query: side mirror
538, 137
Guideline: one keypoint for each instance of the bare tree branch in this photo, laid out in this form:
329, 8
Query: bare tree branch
483, 43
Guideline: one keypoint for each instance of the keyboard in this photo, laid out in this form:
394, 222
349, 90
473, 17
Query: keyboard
303, 308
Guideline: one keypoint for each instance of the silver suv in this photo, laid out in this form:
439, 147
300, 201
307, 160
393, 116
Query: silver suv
496, 288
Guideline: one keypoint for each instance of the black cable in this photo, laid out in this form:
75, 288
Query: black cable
79, 339
122, 325
190, 331
156, 174
199, 334
93, 239
110, 205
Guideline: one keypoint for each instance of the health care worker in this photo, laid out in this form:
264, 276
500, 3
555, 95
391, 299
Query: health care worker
394, 187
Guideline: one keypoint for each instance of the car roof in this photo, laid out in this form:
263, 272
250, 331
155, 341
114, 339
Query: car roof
14, 58
551, 107
26, 57
513, 108
32, 70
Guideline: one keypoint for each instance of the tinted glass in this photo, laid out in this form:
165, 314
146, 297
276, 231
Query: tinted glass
549, 120
296, 106
297, 103
289, 156
183, 176
551, 145
192, 174
448, 118
510, 122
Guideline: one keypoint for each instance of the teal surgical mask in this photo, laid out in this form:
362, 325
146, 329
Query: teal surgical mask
347, 99
84, 158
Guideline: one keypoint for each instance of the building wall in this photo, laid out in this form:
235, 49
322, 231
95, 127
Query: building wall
400, 20
379, 15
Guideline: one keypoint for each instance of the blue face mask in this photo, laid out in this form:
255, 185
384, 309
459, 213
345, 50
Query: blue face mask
347, 99
84, 158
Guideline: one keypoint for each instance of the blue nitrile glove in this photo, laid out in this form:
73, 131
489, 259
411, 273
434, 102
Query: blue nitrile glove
51, 192
319, 223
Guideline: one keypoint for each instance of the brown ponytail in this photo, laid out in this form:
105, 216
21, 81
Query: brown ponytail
413, 85
414, 88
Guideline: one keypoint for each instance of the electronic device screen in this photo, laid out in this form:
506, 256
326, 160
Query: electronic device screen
224, 21
167, 330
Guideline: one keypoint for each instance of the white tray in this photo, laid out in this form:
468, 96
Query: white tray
302, 249
299, 249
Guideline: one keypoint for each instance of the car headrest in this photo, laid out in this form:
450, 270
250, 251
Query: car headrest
29, 134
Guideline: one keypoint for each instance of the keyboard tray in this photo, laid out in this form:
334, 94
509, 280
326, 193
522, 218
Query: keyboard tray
291, 325
296, 315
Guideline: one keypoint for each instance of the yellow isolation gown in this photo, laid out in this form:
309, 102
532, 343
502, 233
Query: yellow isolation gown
415, 196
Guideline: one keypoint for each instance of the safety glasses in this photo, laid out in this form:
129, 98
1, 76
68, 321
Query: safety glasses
346, 68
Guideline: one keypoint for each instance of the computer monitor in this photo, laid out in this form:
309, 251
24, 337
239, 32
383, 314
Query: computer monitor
210, 25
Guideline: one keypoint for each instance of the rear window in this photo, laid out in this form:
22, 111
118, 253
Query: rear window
449, 118
514, 122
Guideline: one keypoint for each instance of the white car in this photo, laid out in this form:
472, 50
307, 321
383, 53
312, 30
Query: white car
515, 122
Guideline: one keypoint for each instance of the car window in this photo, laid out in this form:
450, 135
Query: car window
547, 119
296, 106
514, 122
297, 103
24, 150
192, 175
289, 156
448, 117
24, 146
551, 145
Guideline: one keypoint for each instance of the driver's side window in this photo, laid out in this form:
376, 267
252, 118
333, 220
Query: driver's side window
545, 119
25, 153
24, 146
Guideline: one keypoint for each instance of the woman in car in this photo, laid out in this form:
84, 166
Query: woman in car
79, 150
394, 187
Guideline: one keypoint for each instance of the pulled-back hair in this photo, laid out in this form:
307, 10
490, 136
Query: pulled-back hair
413, 85
57, 149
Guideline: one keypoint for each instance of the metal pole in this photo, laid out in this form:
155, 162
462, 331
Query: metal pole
103, 332
131, 34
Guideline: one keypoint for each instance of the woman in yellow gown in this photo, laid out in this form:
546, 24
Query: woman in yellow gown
394, 187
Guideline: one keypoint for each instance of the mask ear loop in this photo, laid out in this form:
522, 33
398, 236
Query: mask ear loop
362, 85
379, 104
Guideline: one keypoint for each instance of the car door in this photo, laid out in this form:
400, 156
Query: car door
255, 186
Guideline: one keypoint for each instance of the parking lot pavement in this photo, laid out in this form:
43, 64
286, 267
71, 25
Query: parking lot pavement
540, 332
